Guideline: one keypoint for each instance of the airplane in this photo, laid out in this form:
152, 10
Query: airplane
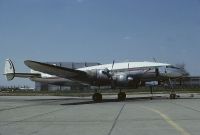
117, 75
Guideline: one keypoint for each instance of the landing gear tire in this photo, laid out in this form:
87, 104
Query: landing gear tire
121, 96
97, 97
172, 96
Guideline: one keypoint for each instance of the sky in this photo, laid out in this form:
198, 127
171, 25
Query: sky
99, 31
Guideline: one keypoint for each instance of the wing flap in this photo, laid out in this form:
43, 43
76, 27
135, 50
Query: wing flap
54, 70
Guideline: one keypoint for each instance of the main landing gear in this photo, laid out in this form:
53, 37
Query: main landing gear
172, 96
121, 96
97, 97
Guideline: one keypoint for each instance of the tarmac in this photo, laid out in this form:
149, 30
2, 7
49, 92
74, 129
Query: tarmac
138, 115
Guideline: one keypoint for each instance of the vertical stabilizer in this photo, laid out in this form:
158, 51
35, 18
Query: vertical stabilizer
9, 70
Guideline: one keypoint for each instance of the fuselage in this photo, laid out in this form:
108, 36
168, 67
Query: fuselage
124, 73
126, 65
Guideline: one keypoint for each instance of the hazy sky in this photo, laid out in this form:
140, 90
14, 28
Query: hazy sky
99, 31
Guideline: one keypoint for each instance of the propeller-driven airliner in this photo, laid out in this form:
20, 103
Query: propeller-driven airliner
117, 75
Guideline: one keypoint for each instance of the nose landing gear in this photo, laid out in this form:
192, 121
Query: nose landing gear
172, 93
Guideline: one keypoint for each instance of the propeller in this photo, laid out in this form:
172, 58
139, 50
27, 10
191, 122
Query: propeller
128, 66
156, 69
157, 72
113, 64
108, 72
155, 60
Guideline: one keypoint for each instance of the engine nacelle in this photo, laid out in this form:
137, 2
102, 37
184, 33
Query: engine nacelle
98, 74
125, 80
122, 78
101, 74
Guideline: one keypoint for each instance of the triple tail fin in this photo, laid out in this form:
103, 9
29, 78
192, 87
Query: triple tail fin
10, 73
9, 70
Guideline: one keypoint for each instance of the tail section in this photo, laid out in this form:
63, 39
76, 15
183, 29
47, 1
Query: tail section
9, 70
10, 73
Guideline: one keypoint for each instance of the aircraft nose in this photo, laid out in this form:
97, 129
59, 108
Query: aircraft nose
184, 73
178, 72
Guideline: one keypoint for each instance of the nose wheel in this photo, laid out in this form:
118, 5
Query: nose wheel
172, 93
121, 96
97, 97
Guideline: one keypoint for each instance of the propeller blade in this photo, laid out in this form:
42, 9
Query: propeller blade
155, 60
113, 64
157, 72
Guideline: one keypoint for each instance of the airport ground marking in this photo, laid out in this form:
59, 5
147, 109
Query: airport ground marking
115, 121
168, 120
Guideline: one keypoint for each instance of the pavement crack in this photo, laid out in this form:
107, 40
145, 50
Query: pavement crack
34, 116
25, 106
115, 121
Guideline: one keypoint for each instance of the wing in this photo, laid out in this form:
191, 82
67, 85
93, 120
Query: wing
55, 70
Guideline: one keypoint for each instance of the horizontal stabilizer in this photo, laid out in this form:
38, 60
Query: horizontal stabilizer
55, 70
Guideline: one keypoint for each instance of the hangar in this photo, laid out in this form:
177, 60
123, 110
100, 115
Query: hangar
187, 82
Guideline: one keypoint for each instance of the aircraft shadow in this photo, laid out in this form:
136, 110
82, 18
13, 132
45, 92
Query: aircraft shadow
114, 100
132, 99
53, 99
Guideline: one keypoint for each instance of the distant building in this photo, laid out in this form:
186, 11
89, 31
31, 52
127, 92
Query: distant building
188, 82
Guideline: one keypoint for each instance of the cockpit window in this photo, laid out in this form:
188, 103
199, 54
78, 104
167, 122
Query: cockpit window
173, 67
